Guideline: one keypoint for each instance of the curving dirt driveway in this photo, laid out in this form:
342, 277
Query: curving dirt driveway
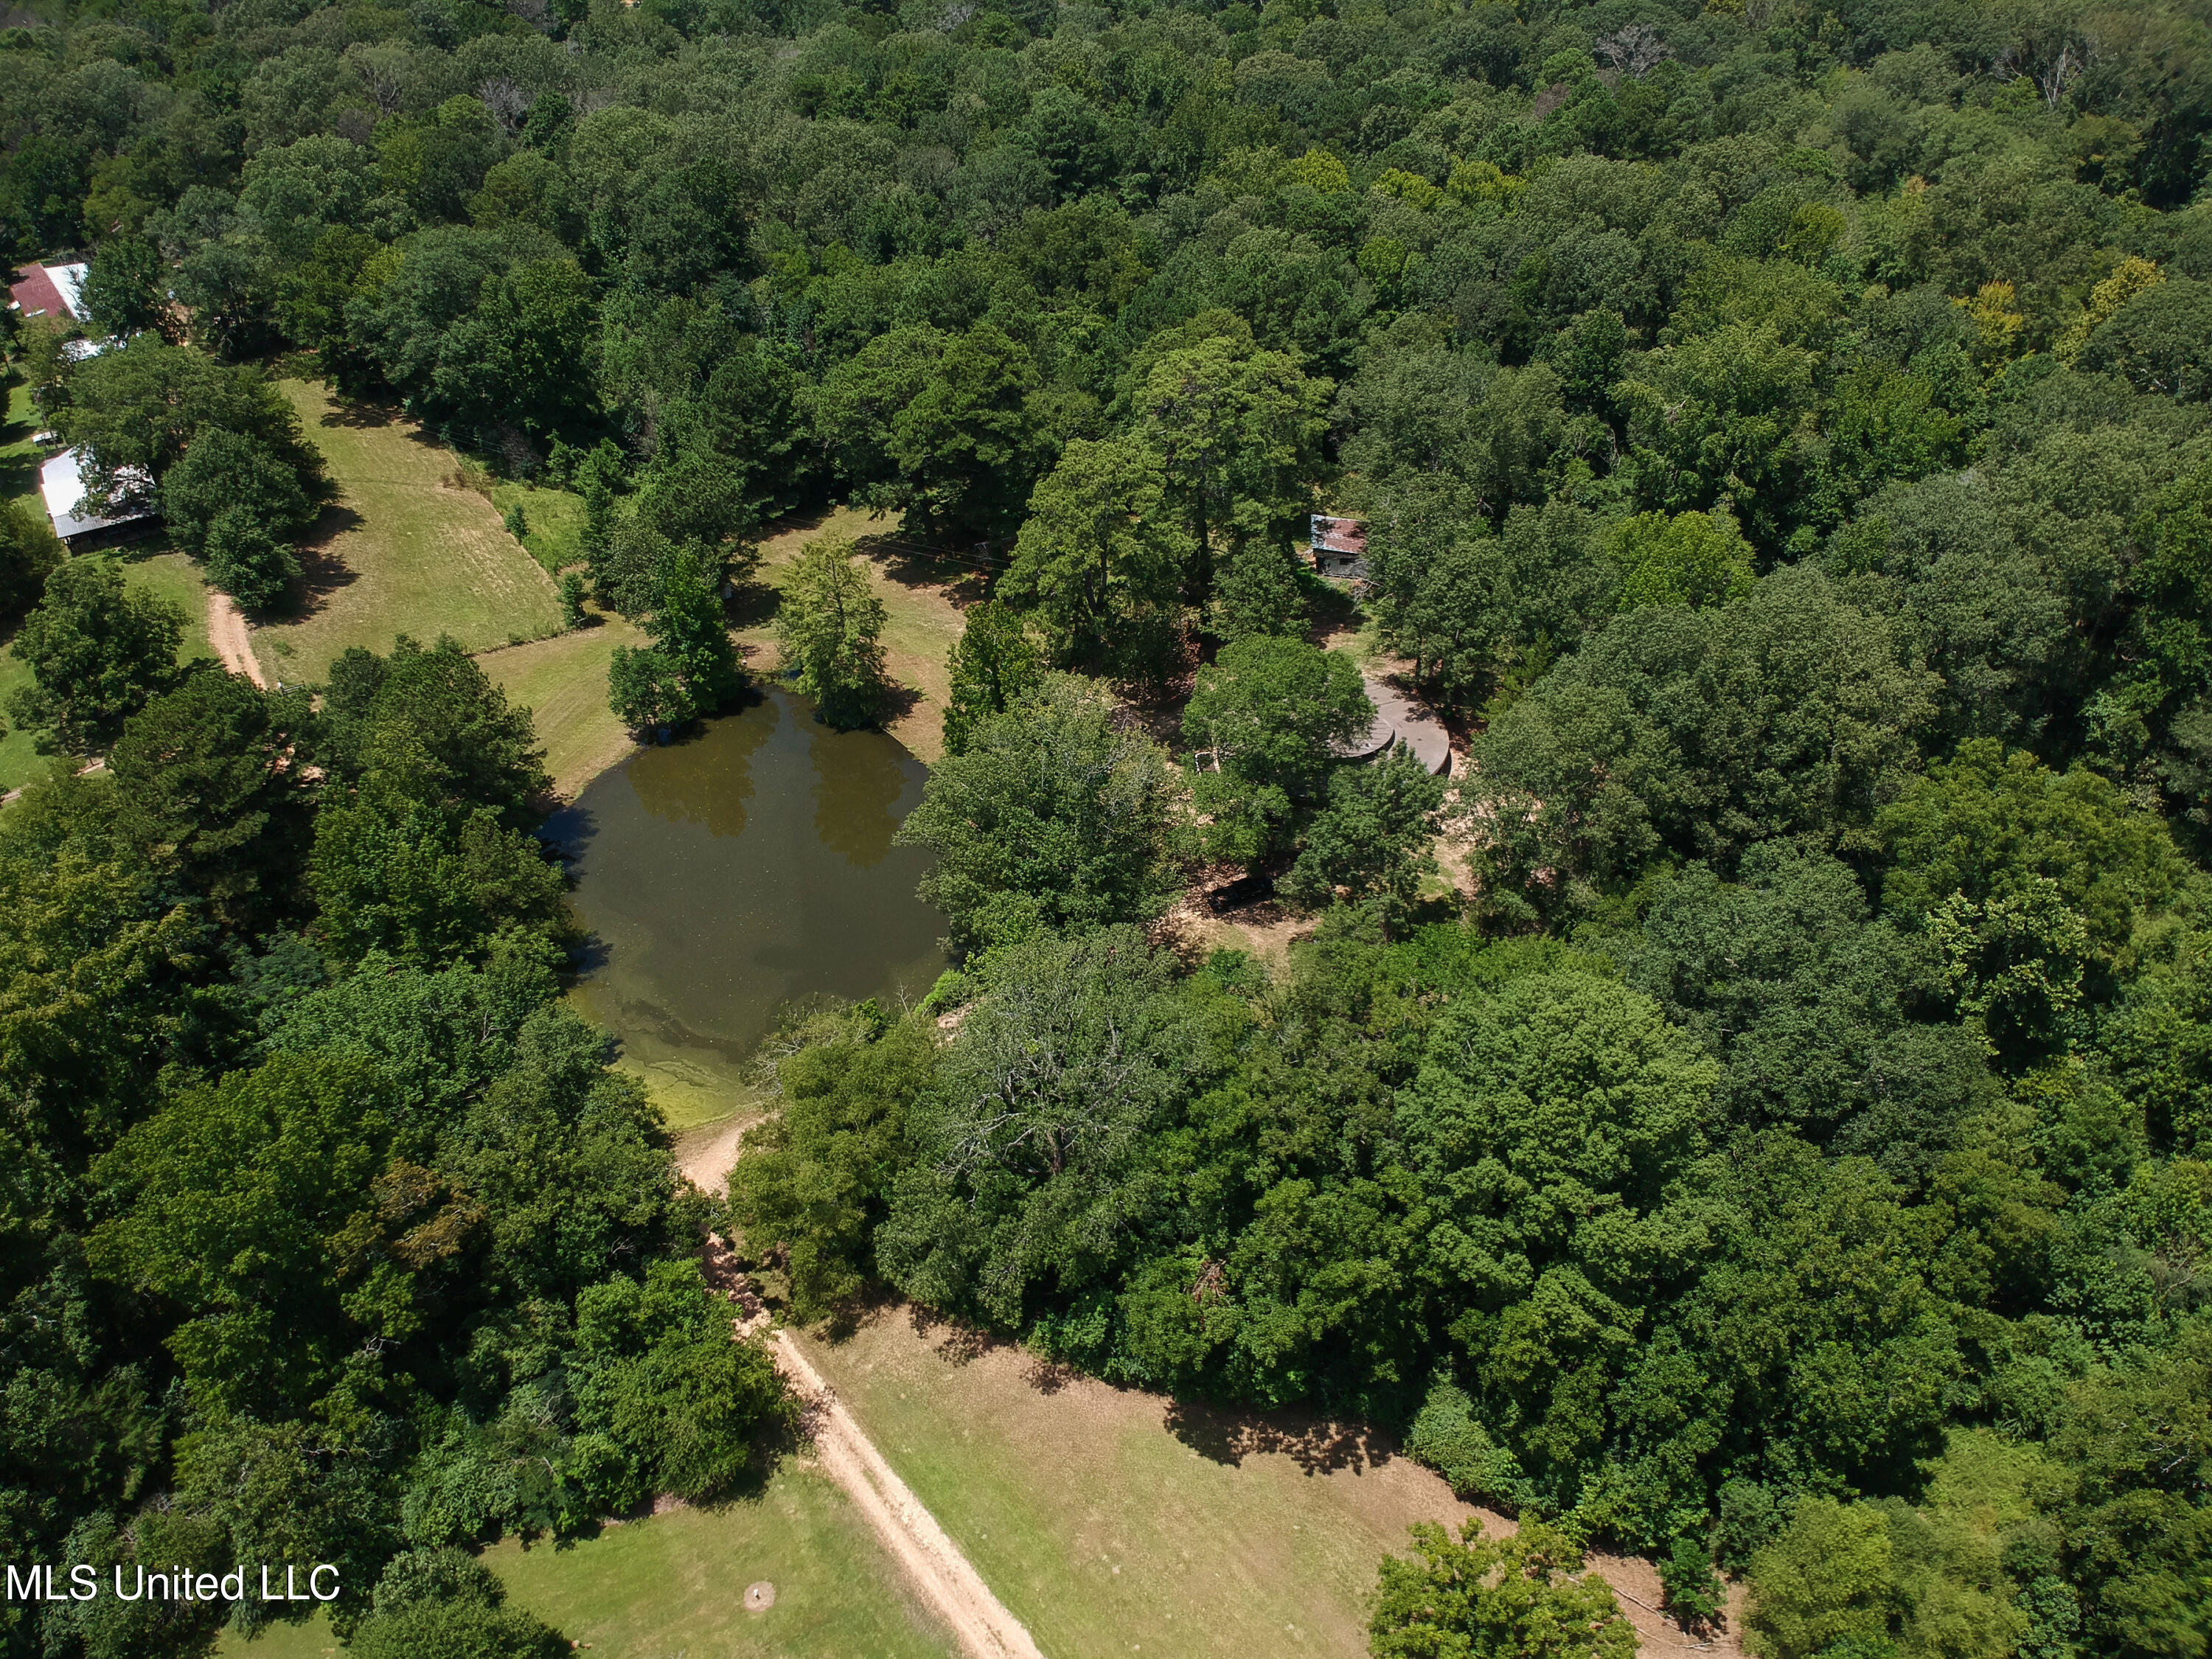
227, 633
947, 1579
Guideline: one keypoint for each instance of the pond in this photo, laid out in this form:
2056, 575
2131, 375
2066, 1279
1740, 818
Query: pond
724, 875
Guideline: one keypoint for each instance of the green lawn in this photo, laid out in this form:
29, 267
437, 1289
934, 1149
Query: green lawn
675, 1584
1107, 1518
563, 682
553, 522
404, 551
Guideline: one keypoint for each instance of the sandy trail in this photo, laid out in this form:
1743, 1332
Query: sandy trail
947, 1579
706, 1163
979, 1620
227, 633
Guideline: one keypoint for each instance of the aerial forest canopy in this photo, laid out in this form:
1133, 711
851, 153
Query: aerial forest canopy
1783, 434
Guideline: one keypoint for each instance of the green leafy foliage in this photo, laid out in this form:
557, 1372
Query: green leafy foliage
1053, 818
996, 661
1782, 446
1372, 843
1476, 1595
97, 652
30, 551
830, 627
1262, 719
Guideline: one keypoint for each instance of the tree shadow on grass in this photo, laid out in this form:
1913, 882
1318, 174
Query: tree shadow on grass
1224, 1435
966, 578
322, 573
363, 415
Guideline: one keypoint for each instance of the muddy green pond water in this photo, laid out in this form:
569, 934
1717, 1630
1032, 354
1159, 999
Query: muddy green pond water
724, 875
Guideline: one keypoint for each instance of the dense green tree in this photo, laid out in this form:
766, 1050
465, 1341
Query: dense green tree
830, 626
444, 1602
1099, 554
647, 691
1691, 734
224, 471
1372, 843
1259, 592
436, 716
427, 880
1058, 1073
1262, 720
123, 288
96, 652
1691, 559
995, 660
30, 551
1826, 1584
815, 1180
1559, 1085
1517, 1596
249, 560
967, 444
691, 634
1052, 818
136, 410
210, 788
1237, 430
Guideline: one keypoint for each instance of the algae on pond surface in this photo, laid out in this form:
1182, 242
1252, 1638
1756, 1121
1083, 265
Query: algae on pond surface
724, 875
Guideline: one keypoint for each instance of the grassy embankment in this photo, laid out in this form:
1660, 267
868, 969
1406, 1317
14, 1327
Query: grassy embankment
150, 564
676, 1584
404, 551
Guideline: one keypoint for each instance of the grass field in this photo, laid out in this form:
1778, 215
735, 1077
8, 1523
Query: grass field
1110, 1520
553, 522
1104, 1523
921, 627
675, 1584
563, 681
403, 552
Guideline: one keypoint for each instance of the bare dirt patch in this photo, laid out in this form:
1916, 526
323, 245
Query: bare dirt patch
228, 634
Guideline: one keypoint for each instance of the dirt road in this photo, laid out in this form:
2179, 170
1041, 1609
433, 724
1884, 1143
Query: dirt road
227, 633
944, 1577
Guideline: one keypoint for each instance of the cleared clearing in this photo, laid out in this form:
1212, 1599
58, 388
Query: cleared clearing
563, 682
403, 552
1108, 1520
675, 1583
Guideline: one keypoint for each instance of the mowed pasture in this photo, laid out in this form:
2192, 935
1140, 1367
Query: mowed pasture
675, 1583
404, 550
563, 681
1111, 1521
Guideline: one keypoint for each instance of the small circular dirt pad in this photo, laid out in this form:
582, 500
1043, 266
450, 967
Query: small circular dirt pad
760, 1597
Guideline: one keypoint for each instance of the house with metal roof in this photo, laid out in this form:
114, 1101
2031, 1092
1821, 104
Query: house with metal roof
1340, 546
55, 291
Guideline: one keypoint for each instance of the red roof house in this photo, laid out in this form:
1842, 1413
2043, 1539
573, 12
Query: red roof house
1340, 546
49, 290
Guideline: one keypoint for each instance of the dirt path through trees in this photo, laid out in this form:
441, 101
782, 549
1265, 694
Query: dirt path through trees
945, 1578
